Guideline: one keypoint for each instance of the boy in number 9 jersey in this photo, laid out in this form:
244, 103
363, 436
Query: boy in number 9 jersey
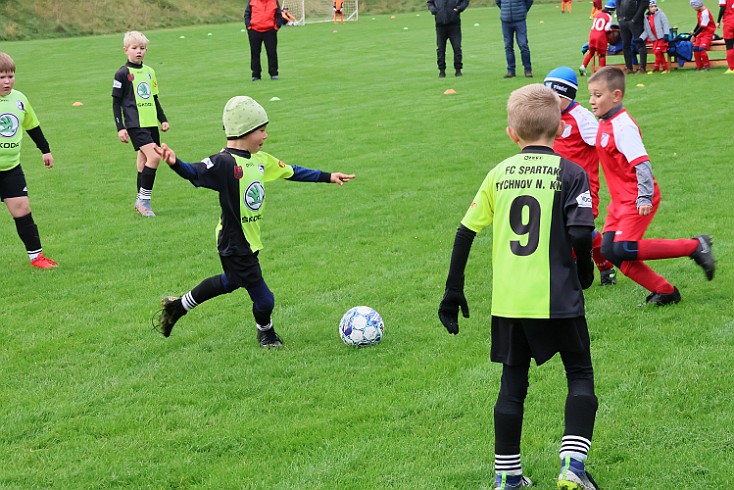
539, 206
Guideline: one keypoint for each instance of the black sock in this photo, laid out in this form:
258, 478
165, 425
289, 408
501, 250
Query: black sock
28, 233
147, 179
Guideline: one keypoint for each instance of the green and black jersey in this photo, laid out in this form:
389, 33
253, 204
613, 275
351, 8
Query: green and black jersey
135, 97
240, 179
531, 199
16, 114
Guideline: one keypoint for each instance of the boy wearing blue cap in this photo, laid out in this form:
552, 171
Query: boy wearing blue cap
598, 43
577, 143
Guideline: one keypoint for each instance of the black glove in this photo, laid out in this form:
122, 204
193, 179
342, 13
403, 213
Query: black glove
448, 310
666, 38
585, 270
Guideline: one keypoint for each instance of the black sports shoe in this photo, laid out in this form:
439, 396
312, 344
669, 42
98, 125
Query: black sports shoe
458, 73
703, 255
441, 74
268, 338
662, 299
608, 277
168, 316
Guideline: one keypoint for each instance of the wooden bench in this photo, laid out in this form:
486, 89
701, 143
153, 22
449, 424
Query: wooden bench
717, 45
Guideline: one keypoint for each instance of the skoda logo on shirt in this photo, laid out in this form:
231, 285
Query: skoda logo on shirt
254, 196
8, 125
143, 90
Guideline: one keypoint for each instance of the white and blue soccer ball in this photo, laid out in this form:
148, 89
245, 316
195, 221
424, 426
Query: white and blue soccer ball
361, 326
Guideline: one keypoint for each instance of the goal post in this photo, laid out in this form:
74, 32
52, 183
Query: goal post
313, 11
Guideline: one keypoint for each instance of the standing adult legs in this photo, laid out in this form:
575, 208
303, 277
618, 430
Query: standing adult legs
625, 33
454, 32
256, 39
508, 32
441, 37
271, 48
521, 31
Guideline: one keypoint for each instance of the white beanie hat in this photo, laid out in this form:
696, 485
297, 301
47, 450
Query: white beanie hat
242, 115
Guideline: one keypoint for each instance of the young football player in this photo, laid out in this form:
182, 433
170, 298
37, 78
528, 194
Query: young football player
635, 195
539, 207
16, 115
239, 174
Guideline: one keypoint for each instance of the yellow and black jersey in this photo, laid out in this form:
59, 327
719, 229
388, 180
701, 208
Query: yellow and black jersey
135, 97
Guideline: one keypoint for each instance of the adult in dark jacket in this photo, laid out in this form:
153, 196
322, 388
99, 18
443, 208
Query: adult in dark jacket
448, 27
513, 14
262, 19
631, 17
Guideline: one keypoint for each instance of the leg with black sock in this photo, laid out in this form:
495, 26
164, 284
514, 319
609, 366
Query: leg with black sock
28, 233
145, 191
174, 308
580, 415
606, 268
263, 303
508, 418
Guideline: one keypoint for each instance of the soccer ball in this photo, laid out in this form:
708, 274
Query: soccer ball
361, 326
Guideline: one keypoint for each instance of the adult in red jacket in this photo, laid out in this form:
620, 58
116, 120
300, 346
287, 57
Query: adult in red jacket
262, 22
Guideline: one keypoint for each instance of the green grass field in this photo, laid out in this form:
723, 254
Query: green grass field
92, 397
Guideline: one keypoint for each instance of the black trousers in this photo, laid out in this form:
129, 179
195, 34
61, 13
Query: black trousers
630, 31
451, 32
270, 39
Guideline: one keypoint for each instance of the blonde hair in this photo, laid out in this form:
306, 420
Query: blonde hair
534, 112
132, 37
611, 76
7, 65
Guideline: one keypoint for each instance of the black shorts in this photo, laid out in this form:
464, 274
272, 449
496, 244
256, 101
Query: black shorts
140, 137
12, 183
242, 271
516, 340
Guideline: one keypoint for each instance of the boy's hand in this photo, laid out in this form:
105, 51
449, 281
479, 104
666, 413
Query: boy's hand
165, 126
644, 210
340, 178
166, 154
448, 310
122, 134
48, 160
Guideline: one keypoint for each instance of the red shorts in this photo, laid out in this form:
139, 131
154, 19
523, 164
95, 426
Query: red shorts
728, 30
704, 41
626, 222
659, 46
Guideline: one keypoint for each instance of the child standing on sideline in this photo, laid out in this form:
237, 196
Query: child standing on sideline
137, 112
657, 30
238, 173
635, 195
539, 206
598, 42
726, 12
703, 34
16, 114
576, 143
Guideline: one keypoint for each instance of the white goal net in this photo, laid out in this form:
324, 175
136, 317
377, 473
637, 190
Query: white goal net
312, 11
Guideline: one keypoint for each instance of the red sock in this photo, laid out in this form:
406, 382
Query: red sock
587, 58
699, 61
730, 58
705, 59
639, 272
654, 249
602, 60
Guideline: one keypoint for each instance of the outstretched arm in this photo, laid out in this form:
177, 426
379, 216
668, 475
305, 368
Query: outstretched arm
185, 170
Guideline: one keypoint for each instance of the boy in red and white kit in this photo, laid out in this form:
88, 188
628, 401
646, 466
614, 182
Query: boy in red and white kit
576, 143
635, 195
726, 12
598, 43
703, 35
657, 28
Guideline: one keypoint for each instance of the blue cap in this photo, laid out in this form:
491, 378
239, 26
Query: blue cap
611, 4
563, 81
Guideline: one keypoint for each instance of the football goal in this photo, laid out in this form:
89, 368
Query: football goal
312, 11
